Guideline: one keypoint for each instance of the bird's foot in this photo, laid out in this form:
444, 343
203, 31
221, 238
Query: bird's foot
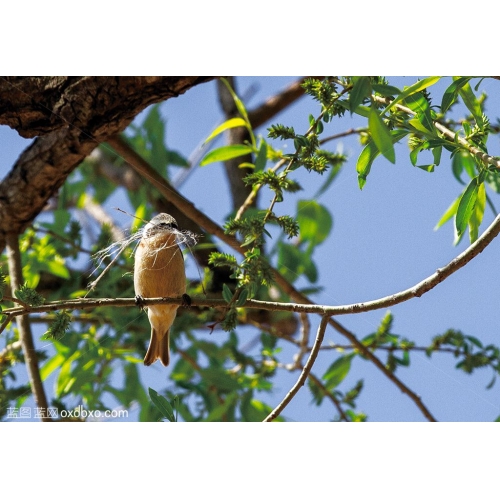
139, 301
186, 300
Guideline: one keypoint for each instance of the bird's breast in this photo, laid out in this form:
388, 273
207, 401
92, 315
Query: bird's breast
159, 267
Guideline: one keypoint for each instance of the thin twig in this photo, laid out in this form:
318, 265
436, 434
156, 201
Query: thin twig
14, 346
368, 354
304, 374
316, 381
26, 337
304, 341
351, 131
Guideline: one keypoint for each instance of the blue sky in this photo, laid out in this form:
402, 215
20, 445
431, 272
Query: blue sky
382, 242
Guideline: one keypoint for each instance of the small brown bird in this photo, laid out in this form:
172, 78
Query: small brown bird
159, 272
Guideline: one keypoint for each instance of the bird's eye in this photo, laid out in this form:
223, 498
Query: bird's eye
170, 225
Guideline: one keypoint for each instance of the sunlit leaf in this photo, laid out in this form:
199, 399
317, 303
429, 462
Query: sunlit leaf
449, 214
226, 153
337, 371
477, 214
466, 206
472, 103
416, 87
381, 135
451, 93
231, 123
360, 90
315, 221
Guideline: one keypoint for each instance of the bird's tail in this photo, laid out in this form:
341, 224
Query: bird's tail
159, 348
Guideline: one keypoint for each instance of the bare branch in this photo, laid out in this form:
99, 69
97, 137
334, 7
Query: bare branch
304, 374
23, 324
272, 106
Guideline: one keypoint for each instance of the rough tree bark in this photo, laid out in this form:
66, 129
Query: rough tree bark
70, 116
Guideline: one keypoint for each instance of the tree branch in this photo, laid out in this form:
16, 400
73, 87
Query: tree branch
76, 114
304, 374
317, 382
23, 324
305, 305
272, 106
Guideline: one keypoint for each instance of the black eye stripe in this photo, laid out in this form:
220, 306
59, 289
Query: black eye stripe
169, 225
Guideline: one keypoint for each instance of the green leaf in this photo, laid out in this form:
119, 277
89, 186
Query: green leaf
461, 161
57, 268
436, 154
162, 404
412, 89
423, 120
426, 168
451, 93
227, 295
450, 212
337, 371
385, 90
466, 206
364, 163
368, 155
293, 262
361, 89
477, 214
51, 365
315, 221
241, 109
261, 159
381, 135
242, 298
231, 123
473, 105
226, 153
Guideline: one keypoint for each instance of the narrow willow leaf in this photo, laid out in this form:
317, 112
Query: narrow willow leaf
473, 105
360, 90
412, 89
369, 153
381, 135
237, 101
466, 206
337, 372
451, 93
242, 298
417, 124
164, 407
460, 162
226, 153
385, 90
436, 153
231, 123
477, 214
427, 168
364, 163
227, 295
418, 103
315, 221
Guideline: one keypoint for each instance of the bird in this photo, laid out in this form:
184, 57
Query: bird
159, 272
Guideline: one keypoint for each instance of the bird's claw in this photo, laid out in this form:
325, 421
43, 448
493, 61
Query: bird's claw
139, 301
186, 300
